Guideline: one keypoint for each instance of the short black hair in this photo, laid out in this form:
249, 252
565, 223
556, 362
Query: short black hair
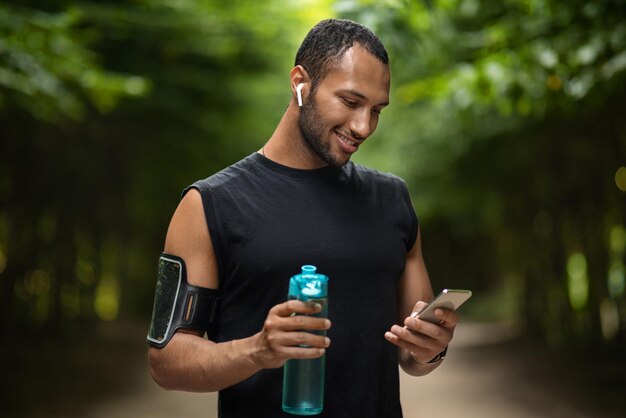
326, 43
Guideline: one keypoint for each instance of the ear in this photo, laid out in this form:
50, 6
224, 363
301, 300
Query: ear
300, 83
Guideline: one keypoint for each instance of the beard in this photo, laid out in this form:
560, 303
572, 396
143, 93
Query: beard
311, 125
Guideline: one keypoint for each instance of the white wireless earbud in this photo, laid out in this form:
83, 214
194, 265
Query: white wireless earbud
299, 93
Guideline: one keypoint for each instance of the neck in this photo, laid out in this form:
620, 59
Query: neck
286, 146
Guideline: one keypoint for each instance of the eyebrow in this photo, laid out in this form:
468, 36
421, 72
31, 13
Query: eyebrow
361, 95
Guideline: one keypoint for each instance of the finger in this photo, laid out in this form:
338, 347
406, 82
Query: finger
448, 317
419, 306
302, 322
303, 353
413, 339
419, 354
295, 339
295, 306
440, 333
424, 327
417, 349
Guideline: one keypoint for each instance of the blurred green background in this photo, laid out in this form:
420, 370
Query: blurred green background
507, 120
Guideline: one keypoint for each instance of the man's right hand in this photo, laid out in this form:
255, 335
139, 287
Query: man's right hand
283, 335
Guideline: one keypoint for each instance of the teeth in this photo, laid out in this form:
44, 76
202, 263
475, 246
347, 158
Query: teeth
346, 140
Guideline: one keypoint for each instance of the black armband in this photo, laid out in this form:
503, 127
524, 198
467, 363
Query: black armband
178, 304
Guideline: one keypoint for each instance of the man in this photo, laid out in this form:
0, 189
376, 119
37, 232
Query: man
299, 200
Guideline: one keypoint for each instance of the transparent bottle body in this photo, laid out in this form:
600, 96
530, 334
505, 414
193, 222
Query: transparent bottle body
303, 379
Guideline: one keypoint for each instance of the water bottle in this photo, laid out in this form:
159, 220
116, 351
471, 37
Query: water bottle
303, 379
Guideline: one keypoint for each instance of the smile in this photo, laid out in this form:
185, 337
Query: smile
345, 140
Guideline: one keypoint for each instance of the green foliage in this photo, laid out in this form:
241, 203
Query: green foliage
147, 96
506, 121
47, 68
516, 56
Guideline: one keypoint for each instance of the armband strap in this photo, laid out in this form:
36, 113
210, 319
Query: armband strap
178, 304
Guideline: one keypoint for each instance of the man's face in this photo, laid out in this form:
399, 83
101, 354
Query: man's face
344, 108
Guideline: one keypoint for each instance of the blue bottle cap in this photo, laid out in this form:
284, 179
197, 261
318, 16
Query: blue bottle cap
308, 285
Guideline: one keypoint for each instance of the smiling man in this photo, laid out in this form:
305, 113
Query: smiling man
239, 235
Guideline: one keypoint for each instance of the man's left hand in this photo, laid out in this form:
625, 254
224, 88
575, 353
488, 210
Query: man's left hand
424, 340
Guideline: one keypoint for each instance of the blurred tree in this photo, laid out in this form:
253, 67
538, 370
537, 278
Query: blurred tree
510, 128
506, 122
48, 70
108, 110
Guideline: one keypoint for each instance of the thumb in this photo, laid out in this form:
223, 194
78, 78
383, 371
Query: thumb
418, 307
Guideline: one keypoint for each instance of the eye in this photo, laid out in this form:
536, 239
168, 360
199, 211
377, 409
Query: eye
377, 111
350, 103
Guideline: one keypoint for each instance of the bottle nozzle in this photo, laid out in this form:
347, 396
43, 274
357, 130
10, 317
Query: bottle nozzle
308, 269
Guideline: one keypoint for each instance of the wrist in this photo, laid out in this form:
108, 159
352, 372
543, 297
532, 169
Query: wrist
253, 351
435, 360
439, 357
415, 367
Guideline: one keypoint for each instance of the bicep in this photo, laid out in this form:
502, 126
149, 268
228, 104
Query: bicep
188, 237
414, 285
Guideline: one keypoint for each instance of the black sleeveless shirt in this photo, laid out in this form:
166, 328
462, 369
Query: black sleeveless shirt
356, 225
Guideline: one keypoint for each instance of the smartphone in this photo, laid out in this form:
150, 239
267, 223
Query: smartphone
448, 298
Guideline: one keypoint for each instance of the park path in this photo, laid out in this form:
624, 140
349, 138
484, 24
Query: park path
487, 375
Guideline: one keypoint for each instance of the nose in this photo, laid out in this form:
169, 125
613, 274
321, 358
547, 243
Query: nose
362, 124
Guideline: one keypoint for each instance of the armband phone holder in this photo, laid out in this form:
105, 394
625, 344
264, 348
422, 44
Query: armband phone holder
178, 304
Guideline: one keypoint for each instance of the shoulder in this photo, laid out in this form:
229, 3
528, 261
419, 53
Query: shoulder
227, 176
378, 178
188, 228
188, 237
390, 189
374, 174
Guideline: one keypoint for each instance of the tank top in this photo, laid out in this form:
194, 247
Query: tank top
356, 225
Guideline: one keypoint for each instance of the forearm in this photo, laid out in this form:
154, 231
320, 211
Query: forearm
195, 364
414, 368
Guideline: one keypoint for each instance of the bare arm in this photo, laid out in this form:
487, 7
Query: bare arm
419, 341
193, 363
